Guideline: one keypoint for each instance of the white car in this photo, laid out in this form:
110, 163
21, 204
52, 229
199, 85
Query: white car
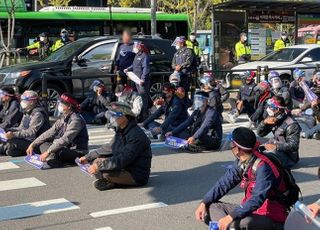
290, 57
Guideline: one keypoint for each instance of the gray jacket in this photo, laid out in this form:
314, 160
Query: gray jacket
70, 132
10, 115
184, 58
32, 125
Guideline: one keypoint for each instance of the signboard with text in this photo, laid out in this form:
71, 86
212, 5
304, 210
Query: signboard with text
270, 17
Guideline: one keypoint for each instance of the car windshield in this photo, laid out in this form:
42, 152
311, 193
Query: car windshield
284, 55
65, 51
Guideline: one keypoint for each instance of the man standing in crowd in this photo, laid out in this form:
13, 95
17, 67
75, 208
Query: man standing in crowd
243, 51
286, 131
193, 44
34, 122
258, 176
64, 39
67, 139
126, 161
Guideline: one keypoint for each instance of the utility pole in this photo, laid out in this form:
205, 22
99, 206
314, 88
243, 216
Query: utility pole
153, 17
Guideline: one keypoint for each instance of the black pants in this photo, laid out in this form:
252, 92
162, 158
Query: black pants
16, 147
247, 107
185, 83
61, 158
208, 142
252, 222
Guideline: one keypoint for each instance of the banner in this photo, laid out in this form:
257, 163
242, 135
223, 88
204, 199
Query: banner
2, 135
34, 160
271, 17
83, 167
176, 143
134, 77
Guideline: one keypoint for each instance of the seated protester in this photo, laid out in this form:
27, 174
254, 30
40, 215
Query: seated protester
262, 95
204, 127
278, 89
286, 131
67, 139
10, 115
174, 79
34, 122
127, 159
296, 91
95, 105
259, 177
126, 94
174, 109
245, 98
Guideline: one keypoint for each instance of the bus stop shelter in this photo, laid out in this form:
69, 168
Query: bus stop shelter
260, 11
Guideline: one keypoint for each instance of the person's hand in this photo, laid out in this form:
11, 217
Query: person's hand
99, 91
168, 134
19, 49
29, 150
8, 135
141, 82
315, 209
125, 70
93, 169
201, 212
83, 160
314, 103
44, 156
191, 140
157, 130
296, 112
270, 147
225, 222
270, 120
178, 68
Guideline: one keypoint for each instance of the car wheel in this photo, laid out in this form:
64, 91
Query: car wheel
155, 90
54, 93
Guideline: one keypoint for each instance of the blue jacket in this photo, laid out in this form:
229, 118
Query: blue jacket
201, 123
141, 66
125, 56
265, 181
10, 115
175, 113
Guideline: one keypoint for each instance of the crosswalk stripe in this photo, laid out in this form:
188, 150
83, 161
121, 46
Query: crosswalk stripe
104, 228
20, 183
8, 165
127, 209
36, 209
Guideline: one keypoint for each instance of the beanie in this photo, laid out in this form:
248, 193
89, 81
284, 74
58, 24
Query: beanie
244, 138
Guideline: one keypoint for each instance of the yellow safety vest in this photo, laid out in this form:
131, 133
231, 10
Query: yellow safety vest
242, 49
57, 45
196, 49
279, 44
33, 46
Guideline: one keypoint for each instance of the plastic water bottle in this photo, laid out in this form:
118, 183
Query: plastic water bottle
300, 207
213, 225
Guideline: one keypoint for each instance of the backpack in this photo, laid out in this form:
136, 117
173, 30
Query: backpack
292, 193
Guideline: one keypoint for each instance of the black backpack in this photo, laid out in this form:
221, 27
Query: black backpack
292, 193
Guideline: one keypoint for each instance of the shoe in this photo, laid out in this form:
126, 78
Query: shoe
316, 136
303, 135
103, 184
161, 137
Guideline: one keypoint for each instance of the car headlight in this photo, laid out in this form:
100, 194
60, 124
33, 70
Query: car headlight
12, 78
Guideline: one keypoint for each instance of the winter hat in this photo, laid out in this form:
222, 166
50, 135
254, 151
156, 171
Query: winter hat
244, 138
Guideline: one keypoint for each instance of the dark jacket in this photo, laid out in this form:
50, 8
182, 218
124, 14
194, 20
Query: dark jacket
260, 106
33, 124
215, 100
296, 91
125, 56
286, 136
70, 132
285, 93
183, 57
130, 150
246, 92
10, 115
175, 113
141, 66
223, 92
96, 104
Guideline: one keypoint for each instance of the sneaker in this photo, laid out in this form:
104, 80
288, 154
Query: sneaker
103, 184
316, 136
303, 135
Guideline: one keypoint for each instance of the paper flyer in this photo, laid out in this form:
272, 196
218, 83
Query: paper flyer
134, 77
34, 160
2, 135
83, 167
175, 142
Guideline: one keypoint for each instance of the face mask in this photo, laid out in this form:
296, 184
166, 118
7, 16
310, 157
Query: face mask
177, 47
245, 38
192, 37
24, 105
61, 108
64, 36
197, 104
135, 50
95, 88
42, 39
113, 123
270, 112
284, 37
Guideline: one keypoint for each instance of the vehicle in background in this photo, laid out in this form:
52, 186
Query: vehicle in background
298, 56
94, 57
205, 44
309, 35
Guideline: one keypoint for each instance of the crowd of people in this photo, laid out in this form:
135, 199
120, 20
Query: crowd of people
127, 108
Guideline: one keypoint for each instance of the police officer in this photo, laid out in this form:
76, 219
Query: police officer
127, 95
127, 159
174, 110
245, 98
64, 39
95, 105
204, 127
182, 62
286, 130
281, 43
34, 122
258, 177
141, 68
10, 115
243, 51
124, 58
278, 89
193, 44
67, 139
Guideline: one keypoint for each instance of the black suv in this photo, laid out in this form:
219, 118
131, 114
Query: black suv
93, 56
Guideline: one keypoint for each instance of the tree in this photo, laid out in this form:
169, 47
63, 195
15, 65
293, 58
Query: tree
54, 2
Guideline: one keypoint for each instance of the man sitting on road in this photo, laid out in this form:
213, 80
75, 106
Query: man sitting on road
34, 122
174, 109
204, 127
126, 160
259, 177
286, 130
296, 91
10, 115
95, 105
278, 89
67, 139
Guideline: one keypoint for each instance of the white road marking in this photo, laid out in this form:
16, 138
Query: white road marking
128, 209
20, 183
36, 209
8, 165
104, 228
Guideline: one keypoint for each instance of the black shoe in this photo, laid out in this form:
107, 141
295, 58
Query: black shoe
316, 136
103, 184
53, 163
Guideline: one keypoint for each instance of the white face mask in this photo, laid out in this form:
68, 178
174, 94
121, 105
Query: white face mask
61, 108
177, 47
135, 50
276, 84
284, 37
270, 112
42, 39
192, 37
245, 38
24, 104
